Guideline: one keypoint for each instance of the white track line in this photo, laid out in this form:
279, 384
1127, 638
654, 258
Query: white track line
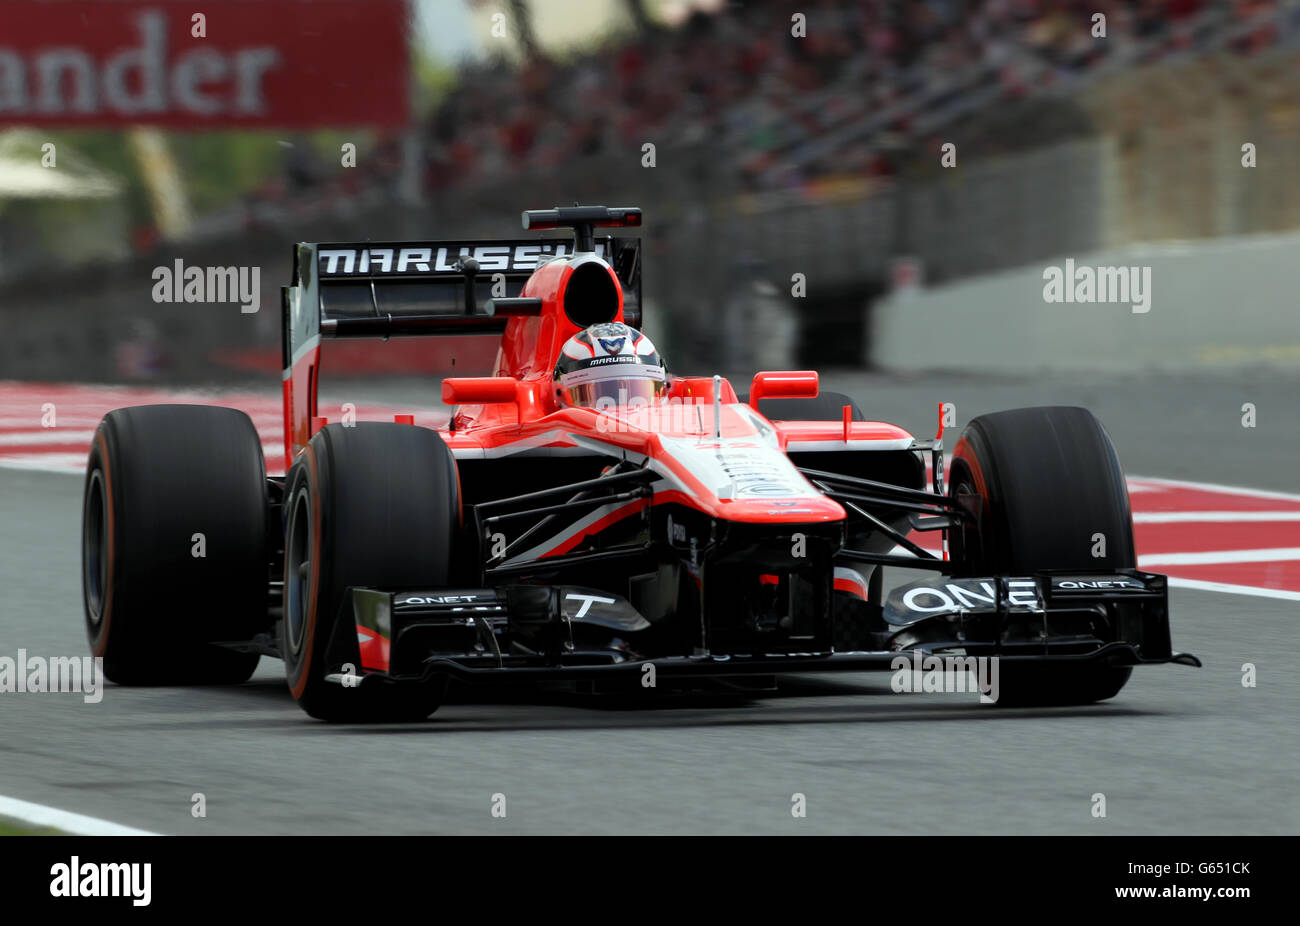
64, 820
1254, 590
46, 436
1181, 517
1201, 585
73, 464
36, 438
1217, 557
1216, 487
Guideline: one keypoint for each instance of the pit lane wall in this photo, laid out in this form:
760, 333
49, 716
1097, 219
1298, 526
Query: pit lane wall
1229, 302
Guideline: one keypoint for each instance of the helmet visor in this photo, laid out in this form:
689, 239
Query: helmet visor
614, 393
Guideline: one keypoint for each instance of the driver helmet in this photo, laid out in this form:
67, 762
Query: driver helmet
609, 365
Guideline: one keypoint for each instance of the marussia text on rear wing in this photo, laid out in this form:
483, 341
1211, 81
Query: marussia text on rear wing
374, 289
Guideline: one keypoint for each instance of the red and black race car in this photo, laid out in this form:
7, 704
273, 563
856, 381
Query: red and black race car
556, 531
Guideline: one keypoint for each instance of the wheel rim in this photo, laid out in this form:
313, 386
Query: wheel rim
297, 569
94, 544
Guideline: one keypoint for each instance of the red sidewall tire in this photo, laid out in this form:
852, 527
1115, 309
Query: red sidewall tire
1046, 482
373, 505
159, 480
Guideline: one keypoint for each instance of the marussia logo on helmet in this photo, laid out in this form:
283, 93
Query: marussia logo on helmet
612, 345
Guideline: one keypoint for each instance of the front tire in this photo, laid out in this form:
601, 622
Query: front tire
174, 544
374, 505
1047, 491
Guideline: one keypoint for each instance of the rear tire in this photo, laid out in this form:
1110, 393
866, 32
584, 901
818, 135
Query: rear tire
373, 505
157, 476
1043, 483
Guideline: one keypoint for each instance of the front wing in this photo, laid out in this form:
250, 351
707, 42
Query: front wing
566, 633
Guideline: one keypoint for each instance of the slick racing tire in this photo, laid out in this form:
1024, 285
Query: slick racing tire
825, 406
373, 505
1043, 483
174, 544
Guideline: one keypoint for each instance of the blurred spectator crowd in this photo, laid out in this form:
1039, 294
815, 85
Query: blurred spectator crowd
869, 90
863, 74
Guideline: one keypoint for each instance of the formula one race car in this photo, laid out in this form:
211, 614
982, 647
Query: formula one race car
586, 518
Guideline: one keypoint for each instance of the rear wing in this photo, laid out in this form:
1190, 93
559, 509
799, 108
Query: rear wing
374, 289
412, 288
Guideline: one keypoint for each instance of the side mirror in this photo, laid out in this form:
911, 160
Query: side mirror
786, 384
479, 390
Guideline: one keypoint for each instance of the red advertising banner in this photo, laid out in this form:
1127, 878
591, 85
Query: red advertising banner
215, 64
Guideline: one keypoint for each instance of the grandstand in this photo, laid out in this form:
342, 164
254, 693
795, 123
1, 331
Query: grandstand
818, 153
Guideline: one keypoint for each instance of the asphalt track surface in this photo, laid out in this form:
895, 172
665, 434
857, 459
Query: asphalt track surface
1179, 751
